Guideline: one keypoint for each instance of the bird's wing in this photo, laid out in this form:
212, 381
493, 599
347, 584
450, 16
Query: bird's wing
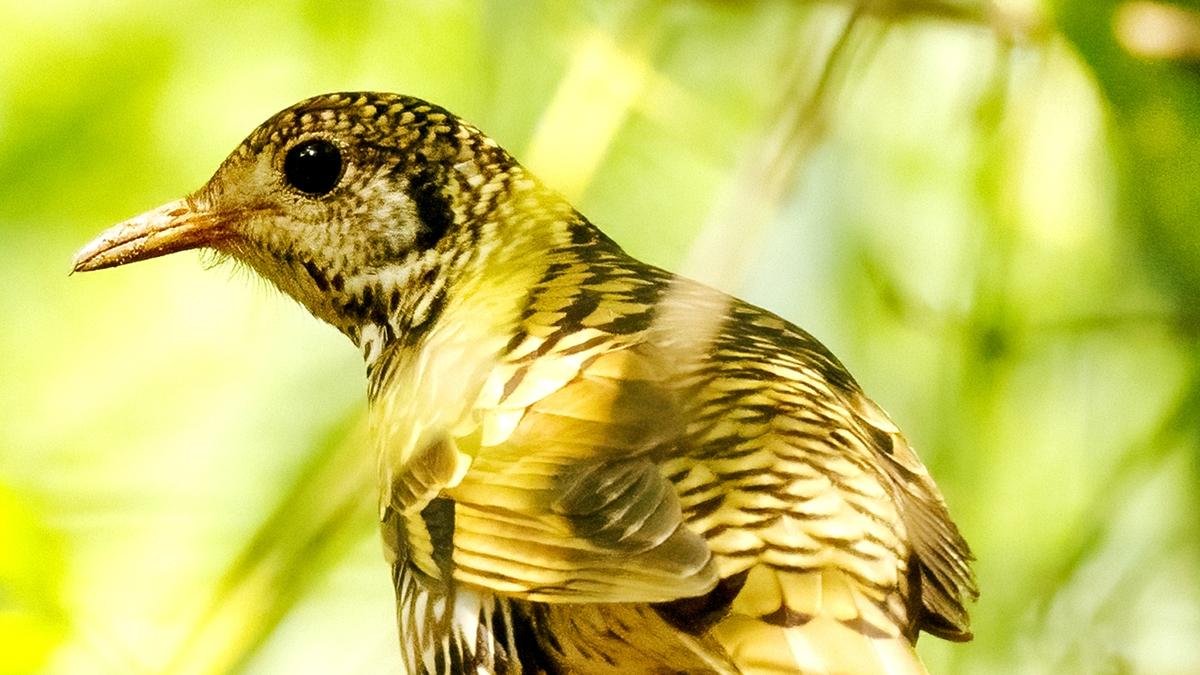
939, 550
563, 501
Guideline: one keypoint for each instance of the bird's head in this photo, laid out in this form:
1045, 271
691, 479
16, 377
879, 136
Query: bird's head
358, 205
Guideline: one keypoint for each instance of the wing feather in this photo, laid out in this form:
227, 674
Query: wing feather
571, 506
941, 553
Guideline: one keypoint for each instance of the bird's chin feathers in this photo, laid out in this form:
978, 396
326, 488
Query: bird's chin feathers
242, 271
211, 259
239, 269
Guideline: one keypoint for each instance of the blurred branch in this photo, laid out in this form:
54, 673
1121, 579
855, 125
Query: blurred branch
768, 172
1009, 23
907, 309
1186, 322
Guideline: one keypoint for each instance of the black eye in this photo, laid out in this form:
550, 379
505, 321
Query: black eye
313, 167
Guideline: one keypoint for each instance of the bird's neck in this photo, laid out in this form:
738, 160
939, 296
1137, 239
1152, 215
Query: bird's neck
423, 384
473, 292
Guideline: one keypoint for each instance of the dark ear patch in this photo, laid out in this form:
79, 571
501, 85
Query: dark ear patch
433, 207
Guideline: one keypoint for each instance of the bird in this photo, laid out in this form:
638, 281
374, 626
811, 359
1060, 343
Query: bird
587, 464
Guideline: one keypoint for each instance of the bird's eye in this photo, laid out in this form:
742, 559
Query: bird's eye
313, 167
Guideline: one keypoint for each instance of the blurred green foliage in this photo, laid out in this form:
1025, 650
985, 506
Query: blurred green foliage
989, 210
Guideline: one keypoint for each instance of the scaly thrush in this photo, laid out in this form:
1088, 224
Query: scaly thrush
587, 464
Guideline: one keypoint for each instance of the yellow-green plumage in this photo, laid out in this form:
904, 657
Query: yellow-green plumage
587, 464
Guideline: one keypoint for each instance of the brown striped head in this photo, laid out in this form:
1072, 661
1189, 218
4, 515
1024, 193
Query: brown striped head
354, 204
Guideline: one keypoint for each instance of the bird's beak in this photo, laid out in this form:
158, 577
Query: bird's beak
174, 226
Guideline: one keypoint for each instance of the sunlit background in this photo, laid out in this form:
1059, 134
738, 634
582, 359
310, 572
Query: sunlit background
989, 210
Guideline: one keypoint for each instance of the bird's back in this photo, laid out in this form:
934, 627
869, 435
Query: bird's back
665, 479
